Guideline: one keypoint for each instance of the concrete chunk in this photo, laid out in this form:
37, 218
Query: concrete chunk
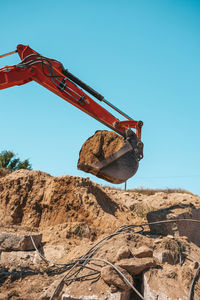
18, 242
123, 252
111, 277
17, 258
182, 228
135, 266
165, 256
156, 285
142, 252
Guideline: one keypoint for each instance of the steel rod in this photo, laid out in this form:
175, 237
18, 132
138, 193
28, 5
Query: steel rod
9, 53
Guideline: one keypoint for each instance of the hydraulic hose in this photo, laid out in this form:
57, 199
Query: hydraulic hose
83, 85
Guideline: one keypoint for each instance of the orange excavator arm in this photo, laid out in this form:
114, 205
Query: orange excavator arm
51, 74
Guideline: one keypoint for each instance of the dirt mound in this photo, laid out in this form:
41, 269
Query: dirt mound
37, 199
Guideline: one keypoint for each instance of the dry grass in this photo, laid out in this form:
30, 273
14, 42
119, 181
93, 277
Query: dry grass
149, 192
141, 210
177, 247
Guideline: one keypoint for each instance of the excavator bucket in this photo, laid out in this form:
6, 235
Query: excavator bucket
119, 166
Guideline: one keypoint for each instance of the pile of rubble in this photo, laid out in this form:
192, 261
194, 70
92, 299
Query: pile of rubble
69, 238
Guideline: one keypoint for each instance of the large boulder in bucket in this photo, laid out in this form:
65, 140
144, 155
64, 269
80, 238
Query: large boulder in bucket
109, 156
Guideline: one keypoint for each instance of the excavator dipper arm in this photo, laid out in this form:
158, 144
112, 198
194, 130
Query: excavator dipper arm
51, 74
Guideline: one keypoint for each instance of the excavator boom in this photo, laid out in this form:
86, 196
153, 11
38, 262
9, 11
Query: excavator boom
51, 74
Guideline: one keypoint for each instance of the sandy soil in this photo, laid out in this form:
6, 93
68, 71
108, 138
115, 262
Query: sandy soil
73, 214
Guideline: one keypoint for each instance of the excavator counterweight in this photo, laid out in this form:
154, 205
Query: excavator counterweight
122, 163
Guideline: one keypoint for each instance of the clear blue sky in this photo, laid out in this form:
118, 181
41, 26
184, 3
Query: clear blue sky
142, 55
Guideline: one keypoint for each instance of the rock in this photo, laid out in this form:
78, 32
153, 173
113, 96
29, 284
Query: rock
165, 256
157, 286
135, 266
149, 292
123, 252
111, 277
182, 228
11, 241
17, 258
54, 253
142, 252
